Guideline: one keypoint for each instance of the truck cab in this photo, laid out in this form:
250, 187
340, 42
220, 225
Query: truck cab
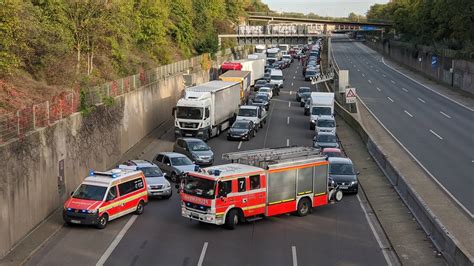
256, 114
192, 115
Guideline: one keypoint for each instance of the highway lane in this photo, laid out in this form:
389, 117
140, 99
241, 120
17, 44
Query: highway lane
437, 131
334, 234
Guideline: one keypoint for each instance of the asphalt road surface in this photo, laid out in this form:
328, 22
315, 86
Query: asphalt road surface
336, 234
436, 130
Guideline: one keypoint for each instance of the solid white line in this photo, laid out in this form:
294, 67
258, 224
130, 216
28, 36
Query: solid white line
116, 241
434, 133
240, 144
289, 104
288, 120
392, 81
416, 81
377, 237
369, 81
405, 90
390, 99
379, 89
287, 142
203, 253
295, 259
406, 112
421, 100
445, 114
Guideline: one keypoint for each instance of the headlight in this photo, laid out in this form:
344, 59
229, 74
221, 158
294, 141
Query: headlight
313, 121
353, 183
91, 211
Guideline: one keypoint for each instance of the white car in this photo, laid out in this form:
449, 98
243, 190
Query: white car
326, 124
266, 90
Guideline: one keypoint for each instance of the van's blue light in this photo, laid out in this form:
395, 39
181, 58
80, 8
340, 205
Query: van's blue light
69, 209
91, 173
114, 175
84, 211
217, 172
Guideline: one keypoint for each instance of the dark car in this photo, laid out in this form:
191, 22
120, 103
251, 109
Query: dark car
241, 130
261, 99
325, 140
260, 84
307, 106
303, 97
267, 76
311, 73
300, 92
195, 149
341, 171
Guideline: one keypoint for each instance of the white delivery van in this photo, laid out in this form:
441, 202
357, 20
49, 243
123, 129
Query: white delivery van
321, 103
276, 77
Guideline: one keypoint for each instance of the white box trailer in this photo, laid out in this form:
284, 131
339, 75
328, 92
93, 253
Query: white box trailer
207, 109
321, 103
255, 66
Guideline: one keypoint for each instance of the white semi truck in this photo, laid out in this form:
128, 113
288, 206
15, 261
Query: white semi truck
321, 103
207, 109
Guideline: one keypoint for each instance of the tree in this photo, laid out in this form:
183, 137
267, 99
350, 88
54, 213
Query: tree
11, 35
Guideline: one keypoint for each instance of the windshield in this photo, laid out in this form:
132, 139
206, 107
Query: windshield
302, 90
261, 82
199, 187
326, 138
240, 125
261, 97
151, 171
305, 94
332, 154
189, 112
321, 111
177, 161
89, 192
271, 55
341, 169
310, 73
198, 146
264, 90
248, 112
277, 77
326, 123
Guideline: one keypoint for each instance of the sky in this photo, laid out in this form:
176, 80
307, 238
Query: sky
332, 8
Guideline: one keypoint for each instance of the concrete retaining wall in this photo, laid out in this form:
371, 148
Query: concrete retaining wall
443, 240
40, 170
461, 78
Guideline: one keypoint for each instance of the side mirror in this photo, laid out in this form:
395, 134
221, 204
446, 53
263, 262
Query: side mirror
173, 111
168, 164
72, 192
164, 174
358, 173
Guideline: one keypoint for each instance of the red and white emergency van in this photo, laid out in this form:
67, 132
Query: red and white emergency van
263, 183
104, 196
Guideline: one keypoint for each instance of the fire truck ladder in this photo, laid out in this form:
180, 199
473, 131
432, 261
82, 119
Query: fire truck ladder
260, 156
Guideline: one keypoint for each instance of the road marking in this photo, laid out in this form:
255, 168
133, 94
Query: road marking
405, 90
376, 235
291, 84
288, 120
383, 75
392, 81
203, 253
369, 81
291, 92
116, 241
421, 100
376, 70
288, 142
240, 144
390, 99
419, 83
445, 114
434, 133
354, 65
406, 112
379, 89
294, 77
363, 75
295, 259
358, 70
289, 104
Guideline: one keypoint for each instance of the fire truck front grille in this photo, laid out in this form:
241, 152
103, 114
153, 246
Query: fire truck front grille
196, 207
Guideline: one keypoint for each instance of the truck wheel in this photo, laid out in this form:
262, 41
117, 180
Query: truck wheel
304, 207
253, 135
261, 124
311, 127
140, 208
231, 220
173, 177
218, 131
103, 220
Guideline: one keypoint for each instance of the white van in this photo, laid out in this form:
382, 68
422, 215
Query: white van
276, 77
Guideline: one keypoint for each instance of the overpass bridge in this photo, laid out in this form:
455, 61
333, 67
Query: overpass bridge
293, 30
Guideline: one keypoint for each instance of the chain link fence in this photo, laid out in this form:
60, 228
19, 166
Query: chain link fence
14, 125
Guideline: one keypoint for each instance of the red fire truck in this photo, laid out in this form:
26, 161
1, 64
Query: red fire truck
256, 184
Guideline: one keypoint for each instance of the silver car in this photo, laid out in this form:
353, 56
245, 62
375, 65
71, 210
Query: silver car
325, 140
157, 185
175, 165
326, 123
195, 149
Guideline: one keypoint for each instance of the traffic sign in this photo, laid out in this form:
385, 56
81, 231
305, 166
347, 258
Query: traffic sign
434, 61
350, 95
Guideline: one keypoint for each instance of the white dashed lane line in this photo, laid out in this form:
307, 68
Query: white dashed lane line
410, 115
288, 142
203, 253
434, 133
295, 258
445, 114
240, 144
369, 81
392, 81
405, 90
289, 104
288, 120
421, 100
390, 99
379, 89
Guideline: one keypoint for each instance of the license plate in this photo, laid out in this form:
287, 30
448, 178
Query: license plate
156, 193
188, 135
343, 187
194, 216
75, 221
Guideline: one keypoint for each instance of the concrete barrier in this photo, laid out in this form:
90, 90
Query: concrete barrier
446, 243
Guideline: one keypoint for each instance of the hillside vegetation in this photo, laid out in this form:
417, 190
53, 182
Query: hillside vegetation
47, 46
439, 23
